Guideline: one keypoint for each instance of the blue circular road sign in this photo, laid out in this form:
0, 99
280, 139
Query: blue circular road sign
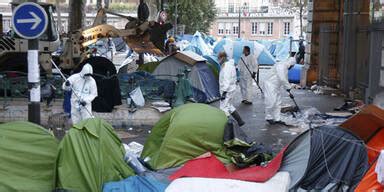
29, 20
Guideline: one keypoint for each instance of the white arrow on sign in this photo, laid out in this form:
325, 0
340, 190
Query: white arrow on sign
36, 19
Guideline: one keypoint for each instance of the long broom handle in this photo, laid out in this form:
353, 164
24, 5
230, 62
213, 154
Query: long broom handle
257, 83
73, 91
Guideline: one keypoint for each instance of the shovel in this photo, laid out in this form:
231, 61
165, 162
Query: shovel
296, 108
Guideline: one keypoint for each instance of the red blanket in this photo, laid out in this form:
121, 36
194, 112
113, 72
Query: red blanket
211, 167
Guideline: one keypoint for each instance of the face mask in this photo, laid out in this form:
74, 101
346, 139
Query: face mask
87, 76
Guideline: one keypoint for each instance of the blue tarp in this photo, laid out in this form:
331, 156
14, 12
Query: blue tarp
280, 48
194, 49
135, 184
219, 47
265, 57
198, 42
213, 60
210, 84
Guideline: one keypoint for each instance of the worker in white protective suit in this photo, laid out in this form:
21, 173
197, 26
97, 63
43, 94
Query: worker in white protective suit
248, 67
84, 90
227, 83
272, 89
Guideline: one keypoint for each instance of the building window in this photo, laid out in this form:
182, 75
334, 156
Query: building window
231, 8
270, 28
221, 28
287, 28
235, 27
261, 29
254, 28
228, 28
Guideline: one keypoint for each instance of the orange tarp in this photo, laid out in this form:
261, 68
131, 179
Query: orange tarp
368, 126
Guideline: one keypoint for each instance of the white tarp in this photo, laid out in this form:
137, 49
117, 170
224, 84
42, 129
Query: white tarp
278, 183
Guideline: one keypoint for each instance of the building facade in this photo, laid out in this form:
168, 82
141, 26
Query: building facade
253, 19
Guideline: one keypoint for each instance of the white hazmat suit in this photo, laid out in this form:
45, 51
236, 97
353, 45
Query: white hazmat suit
246, 80
272, 88
227, 82
84, 90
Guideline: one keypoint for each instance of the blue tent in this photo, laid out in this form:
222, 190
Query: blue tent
213, 60
198, 42
194, 49
283, 47
135, 183
221, 44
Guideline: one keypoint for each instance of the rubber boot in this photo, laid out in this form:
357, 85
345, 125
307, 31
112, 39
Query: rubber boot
237, 117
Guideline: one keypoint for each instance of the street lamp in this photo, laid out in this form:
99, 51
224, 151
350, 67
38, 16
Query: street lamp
241, 8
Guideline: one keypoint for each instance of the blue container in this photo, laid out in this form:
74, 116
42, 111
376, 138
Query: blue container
295, 73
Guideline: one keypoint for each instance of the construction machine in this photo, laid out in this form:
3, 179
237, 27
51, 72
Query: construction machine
142, 36
13, 49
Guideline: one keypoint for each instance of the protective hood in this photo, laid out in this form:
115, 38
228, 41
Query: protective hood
290, 62
87, 69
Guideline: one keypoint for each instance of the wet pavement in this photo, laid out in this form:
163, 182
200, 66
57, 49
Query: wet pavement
257, 129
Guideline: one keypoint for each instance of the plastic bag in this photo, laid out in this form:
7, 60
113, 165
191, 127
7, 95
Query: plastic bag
137, 97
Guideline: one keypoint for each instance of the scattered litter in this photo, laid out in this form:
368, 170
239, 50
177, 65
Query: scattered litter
334, 95
130, 129
293, 133
160, 104
132, 160
149, 131
162, 109
134, 147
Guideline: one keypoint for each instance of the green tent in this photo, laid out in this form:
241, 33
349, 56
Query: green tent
27, 157
185, 133
90, 155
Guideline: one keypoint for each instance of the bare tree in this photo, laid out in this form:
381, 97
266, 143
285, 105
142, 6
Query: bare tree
76, 14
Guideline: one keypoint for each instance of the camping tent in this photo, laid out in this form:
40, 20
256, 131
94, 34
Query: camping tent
27, 157
234, 50
368, 125
198, 42
185, 133
90, 155
206, 86
108, 89
323, 159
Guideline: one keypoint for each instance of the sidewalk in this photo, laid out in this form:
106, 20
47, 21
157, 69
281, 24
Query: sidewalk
17, 110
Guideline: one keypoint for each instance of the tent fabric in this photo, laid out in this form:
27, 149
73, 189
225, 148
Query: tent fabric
201, 76
108, 88
278, 183
185, 133
333, 163
368, 125
27, 157
235, 48
198, 42
135, 183
211, 167
369, 181
90, 155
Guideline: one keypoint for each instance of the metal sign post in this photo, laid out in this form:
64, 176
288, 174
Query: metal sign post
29, 20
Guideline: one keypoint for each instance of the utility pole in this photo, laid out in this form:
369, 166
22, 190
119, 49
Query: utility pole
176, 16
238, 33
59, 26
301, 19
